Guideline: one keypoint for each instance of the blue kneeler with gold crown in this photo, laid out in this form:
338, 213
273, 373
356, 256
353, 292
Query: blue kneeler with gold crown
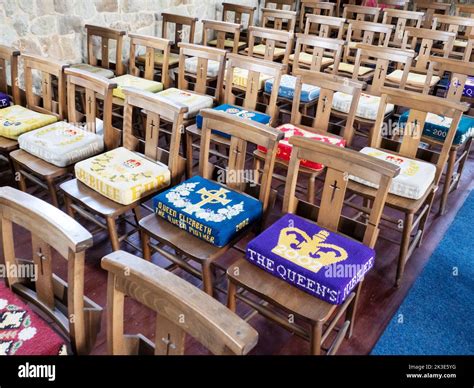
5, 100
207, 210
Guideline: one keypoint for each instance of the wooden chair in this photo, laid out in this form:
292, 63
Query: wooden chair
319, 124
185, 245
222, 30
315, 319
360, 13
324, 26
236, 13
413, 203
462, 45
396, 4
278, 19
171, 298
424, 39
465, 10
457, 74
289, 5
61, 301
401, 19
430, 8
100, 198
272, 45
98, 39
45, 168
178, 28
311, 7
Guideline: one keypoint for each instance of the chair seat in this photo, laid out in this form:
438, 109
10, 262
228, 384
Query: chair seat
437, 126
349, 68
415, 178
191, 66
37, 165
61, 143
7, 145
194, 101
16, 120
5, 100
122, 175
260, 49
23, 332
307, 59
228, 43
241, 76
173, 59
367, 108
414, 79
207, 210
285, 148
460, 43
96, 70
287, 89
138, 83
469, 87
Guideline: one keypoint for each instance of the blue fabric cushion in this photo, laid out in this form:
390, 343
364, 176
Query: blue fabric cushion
437, 127
287, 89
469, 87
207, 210
5, 100
237, 111
322, 263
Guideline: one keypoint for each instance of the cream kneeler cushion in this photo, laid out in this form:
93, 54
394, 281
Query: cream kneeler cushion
240, 77
138, 83
367, 108
413, 79
414, 179
195, 102
61, 143
191, 66
308, 59
122, 175
260, 49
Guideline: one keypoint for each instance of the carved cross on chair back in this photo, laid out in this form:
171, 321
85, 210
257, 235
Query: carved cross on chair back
9, 57
401, 19
324, 25
105, 35
184, 29
61, 300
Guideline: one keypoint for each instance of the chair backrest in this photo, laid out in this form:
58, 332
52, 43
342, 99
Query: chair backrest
236, 13
412, 132
397, 4
152, 46
361, 13
243, 132
159, 111
180, 308
323, 26
281, 4
425, 39
328, 84
460, 26
105, 35
384, 59
320, 48
63, 301
9, 57
282, 19
457, 73
53, 98
340, 164
221, 30
430, 8
272, 39
200, 79
183, 27
376, 34
401, 19
256, 70
312, 7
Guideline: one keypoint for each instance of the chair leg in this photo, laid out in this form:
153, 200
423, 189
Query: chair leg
467, 149
19, 178
53, 192
112, 228
189, 155
68, 206
145, 238
207, 278
447, 181
315, 336
405, 244
256, 169
352, 310
312, 188
231, 292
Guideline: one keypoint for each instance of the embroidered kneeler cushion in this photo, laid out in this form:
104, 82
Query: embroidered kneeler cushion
285, 148
324, 264
349, 68
5, 100
23, 332
195, 102
260, 49
173, 59
414, 179
191, 66
307, 59
122, 175
437, 127
97, 70
414, 79
61, 143
367, 108
287, 89
241, 76
207, 210
469, 87
131, 81
236, 111
460, 43
228, 43
16, 120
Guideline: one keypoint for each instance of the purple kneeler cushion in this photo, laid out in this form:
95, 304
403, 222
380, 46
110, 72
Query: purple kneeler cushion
320, 262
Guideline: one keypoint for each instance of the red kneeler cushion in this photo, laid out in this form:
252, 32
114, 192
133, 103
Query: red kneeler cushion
22, 331
284, 148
